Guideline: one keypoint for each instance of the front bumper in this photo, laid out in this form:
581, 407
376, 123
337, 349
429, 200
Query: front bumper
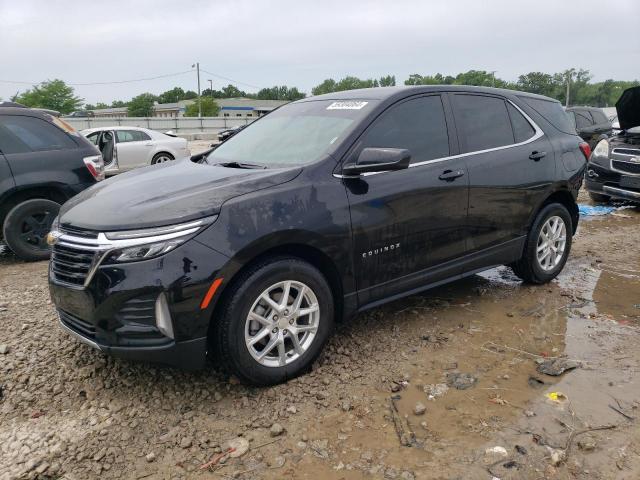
117, 311
607, 182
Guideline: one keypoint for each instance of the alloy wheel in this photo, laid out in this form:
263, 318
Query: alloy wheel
282, 323
551, 243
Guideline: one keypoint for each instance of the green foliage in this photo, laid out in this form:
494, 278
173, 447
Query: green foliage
52, 94
171, 96
351, 83
189, 95
280, 93
118, 104
388, 81
142, 105
209, 108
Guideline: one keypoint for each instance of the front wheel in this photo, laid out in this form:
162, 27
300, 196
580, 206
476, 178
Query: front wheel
274, 321
26, 227
547, 246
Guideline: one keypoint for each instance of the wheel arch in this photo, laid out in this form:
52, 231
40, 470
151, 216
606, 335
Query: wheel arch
161, 151
563, 197
302, 251
16, 196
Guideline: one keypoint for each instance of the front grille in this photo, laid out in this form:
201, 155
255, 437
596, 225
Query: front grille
78, 325
627, 167
626, 151
78, 232
71, 265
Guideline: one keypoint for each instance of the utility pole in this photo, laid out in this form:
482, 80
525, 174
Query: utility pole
197, 65
210, 87
493, 78
569, 76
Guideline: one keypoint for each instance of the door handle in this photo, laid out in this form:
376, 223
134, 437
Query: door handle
535, 156
450, 175
149, 144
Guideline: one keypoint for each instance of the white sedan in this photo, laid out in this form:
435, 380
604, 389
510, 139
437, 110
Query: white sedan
125, 148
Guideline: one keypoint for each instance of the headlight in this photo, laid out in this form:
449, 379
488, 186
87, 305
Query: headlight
143, 244
600, 155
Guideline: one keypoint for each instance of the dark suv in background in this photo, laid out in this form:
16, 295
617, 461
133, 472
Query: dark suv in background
325, 207
591, 124
43, 163
613, 171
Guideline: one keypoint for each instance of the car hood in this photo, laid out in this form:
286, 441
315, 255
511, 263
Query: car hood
165, 194
628, 108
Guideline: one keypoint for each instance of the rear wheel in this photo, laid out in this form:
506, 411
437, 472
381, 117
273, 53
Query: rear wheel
547, 246
599, 198
162, 157
26, 227
275, 321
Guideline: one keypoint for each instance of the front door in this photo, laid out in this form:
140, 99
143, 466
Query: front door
407, 223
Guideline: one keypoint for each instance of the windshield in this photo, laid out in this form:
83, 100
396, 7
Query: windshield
295, 134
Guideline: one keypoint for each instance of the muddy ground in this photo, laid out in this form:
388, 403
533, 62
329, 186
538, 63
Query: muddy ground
67, 411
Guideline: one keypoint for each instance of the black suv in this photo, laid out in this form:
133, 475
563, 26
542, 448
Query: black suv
43, 163
325, 207
591, 124
613, 171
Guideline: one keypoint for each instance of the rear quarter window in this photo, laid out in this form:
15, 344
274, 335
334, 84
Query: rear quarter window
484, 121
22, 134
552, 112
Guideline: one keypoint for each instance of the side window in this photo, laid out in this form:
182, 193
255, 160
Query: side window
522, 129
583, 119
418, 125
29, 134
484, 121
123, 136
599, 117
140, 136
93, 138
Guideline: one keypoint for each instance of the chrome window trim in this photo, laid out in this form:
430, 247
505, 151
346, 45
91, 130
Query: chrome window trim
537, 134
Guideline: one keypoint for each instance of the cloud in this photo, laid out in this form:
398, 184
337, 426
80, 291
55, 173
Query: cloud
301, 43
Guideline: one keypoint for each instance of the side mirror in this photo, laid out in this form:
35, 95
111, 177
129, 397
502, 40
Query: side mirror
378, 160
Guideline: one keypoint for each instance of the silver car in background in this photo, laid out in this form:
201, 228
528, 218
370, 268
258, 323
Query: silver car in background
126, 148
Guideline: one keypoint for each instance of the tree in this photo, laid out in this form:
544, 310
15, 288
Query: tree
540, 83
280, 93
142, 105
231, 91
118, 104
328, 86
52, 94
388, 81
189, 95
171, 96
350, 83
209, 108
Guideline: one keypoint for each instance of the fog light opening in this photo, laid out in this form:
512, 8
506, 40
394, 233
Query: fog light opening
163, 317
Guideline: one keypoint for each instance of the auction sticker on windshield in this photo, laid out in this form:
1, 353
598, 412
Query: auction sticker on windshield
351, 105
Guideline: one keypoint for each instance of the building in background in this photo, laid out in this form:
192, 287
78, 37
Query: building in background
229, 107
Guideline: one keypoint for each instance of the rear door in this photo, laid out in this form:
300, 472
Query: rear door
511, 168
133, 149
407, 222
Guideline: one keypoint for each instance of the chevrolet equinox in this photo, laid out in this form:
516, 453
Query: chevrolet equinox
323, 208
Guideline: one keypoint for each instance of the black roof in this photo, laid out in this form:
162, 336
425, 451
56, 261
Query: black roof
29, 112
384, 93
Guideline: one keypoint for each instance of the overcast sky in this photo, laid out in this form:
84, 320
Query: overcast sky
300, 43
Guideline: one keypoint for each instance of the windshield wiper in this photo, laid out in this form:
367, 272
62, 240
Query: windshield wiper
241, 165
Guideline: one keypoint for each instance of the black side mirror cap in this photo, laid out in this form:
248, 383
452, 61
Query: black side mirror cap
378, 160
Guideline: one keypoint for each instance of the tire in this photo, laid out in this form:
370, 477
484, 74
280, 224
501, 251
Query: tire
234, 330
26, 226
162, 157
599, 198
530, 268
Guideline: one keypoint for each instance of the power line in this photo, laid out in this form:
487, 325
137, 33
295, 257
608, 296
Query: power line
84, 84
115, 82
229, 79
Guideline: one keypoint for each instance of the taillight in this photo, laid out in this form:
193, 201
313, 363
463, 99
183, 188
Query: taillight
585, 149
95, 165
